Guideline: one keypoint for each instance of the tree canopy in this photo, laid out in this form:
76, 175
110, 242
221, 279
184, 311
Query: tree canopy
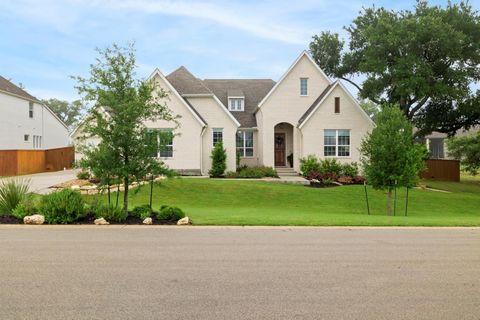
467, 150
423, 60
69, 112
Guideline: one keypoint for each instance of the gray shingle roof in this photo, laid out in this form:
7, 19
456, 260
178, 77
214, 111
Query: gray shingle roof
254, 91
314, 104
9, 87
186, 83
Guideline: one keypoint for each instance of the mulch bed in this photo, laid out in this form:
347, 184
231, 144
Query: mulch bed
131, 220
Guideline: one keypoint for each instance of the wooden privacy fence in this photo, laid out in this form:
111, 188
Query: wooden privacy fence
18, 162
439, 169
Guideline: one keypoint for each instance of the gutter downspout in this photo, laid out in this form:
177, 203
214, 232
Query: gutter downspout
204, 129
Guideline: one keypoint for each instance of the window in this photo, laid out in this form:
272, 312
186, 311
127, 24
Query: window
236, 104
217, 135
165, 141
30, 109
337, 104
26, 137
336, 143
37, 142
245, 143
303, 86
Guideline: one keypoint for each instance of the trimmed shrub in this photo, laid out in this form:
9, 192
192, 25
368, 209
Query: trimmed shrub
110, 213
65, 206
142, 212
331, 166
308, 164
12, 192
168, 213
26, 207
350, 169
252, 172
345, 180
219, 161
358, 179
83, 175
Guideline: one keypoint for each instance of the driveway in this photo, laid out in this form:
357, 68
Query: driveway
40, 182
143, 272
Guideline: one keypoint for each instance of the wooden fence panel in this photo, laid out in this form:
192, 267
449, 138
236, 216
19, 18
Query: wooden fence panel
17, 162
58, 159
30, 161
437, 169
8, 162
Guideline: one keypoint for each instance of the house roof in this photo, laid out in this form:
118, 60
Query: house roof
9, 87
186, 83
254, 90
195, 110
315, 103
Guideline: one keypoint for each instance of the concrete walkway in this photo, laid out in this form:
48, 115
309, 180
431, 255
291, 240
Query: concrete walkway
40, 182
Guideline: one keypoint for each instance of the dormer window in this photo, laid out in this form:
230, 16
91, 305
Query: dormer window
236, 103
304, 86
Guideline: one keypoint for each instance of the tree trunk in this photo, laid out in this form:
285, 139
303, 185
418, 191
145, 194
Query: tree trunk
125, 194
389, 203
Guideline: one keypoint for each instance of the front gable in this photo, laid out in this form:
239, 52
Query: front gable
285, 97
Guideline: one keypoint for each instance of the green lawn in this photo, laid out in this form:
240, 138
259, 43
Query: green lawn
226, 202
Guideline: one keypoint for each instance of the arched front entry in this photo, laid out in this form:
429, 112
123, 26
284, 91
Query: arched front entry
283, 145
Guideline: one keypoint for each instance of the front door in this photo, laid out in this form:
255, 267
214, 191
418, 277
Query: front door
279, 149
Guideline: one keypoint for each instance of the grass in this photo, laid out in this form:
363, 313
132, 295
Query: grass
223, 202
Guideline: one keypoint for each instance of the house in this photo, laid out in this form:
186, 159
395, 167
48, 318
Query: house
266, 122
26, 123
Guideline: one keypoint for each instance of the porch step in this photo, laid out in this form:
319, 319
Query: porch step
285, 171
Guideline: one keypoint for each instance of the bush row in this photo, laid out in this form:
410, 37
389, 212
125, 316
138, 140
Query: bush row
329, 170
252, 172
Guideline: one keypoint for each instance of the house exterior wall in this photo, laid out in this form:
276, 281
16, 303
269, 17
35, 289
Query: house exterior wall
350, 117
210, 110
15, 123
285, 104
255, 160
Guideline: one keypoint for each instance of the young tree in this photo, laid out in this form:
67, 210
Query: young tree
467, 150
68, 112
423, 61
122, 105
389, 156
219, 161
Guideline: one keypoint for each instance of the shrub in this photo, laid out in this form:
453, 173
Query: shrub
65, 206
314, 175
12, 192
26, 207
142, 212
252, 172
219, 161
110, 213
232, 174
358, 179
168, 213
331, 166
309, 163
350, 169
83, 175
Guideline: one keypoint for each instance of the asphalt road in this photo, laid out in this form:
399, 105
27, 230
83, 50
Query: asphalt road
144, 272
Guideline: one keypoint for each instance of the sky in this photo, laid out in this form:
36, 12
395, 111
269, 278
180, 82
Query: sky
43, 43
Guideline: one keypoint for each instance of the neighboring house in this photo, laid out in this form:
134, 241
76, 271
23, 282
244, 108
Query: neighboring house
26, 123
303, 113
435, 142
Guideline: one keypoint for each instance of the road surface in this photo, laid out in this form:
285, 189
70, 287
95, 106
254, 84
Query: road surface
147, 272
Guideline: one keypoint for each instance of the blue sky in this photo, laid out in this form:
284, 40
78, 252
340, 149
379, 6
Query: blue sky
42, 43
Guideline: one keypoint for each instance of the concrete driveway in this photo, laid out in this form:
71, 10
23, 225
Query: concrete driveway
40, 182
142, 272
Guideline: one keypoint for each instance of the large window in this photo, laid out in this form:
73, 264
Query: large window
245, 143
303, 86
236, 104
217, 135
336, 143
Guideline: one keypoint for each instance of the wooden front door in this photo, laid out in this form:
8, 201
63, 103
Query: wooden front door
279, 149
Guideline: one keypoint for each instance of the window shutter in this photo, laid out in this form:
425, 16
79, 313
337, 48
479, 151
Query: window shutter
337, 104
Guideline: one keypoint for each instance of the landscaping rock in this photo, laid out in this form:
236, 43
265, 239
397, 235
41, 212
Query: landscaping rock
75, 187
184, 221
35, 219
147, 221
101, 221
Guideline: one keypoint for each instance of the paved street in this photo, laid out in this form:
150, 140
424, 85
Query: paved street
140, 272
40, 182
